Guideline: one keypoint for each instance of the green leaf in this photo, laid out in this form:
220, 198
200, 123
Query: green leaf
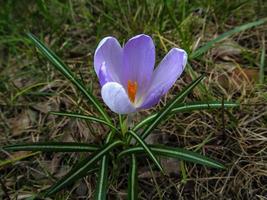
238, 29
188, 107
102, 182
262, 62
81, 168
174, 152
146, 149
26, 90
165, 111
64, 69
132, 179
15, 159
53, 147
86, 117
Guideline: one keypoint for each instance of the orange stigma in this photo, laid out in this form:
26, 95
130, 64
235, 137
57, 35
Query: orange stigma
132, 89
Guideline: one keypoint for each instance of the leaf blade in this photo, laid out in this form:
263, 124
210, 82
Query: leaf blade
146, 149
175, 152
209, 44
102, 182
86, 117
132, 179
169, 107
188, 107
81, 168
56, 61
53, 147
3, 163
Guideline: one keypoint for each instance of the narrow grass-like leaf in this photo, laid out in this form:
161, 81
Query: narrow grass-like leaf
165, 111
102, 182
86, 117
53, 147
132, 179
64, 69
237, 29
15, 159
188, 107
262, 62
81, 168
26, 90
174, 152
146, 149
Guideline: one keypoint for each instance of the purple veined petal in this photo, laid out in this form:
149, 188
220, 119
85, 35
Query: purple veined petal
139, 61
165, 75
116, 98
151, 99
109, 53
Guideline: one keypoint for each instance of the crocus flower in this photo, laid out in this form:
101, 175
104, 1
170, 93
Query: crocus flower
127, 76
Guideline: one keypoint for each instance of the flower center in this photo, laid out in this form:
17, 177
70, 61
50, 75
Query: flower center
132, 89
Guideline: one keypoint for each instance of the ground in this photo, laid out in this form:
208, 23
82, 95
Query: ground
30, 87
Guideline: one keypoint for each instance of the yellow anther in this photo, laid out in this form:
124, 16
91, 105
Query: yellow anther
132, 89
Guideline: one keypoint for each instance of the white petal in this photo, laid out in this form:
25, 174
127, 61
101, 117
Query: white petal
116, 98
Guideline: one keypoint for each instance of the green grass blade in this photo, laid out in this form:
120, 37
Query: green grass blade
262, 62
238, 29
86, 117
53, 147
177, 153
132, 179
81, 168
165, 111
26, 90
146, 149
188, 107
64, 69
102, 182
3, 163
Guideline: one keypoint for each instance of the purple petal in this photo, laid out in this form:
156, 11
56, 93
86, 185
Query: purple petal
103, 76
109, 55
138, 61
116, 98
165, 75
151, 99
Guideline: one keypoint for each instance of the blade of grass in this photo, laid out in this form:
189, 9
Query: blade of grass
262, 61
146, 149
15, 159
165, 111
27, 89
64, 69
132, 179
81, 168
174, 152
86, 117
221, 37
183, 172
188, 108
102, 182
53, 147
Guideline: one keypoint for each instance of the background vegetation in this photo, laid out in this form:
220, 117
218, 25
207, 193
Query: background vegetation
234, 67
